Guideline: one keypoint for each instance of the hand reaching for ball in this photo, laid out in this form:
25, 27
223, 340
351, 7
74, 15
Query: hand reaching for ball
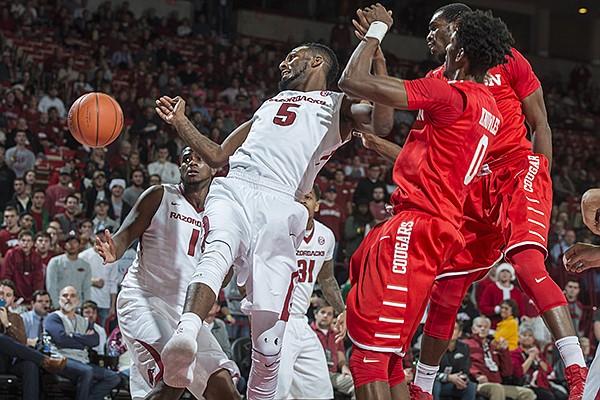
170, 110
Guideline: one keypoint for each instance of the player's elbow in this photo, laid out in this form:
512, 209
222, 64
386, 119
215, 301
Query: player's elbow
348, 83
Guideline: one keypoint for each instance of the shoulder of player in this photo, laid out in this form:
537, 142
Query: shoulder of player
323, 230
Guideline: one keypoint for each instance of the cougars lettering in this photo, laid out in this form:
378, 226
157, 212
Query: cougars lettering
401, 248
185, 218
534, 166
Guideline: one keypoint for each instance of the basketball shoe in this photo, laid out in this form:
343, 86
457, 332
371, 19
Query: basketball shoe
179, 360
416, 393
576, 376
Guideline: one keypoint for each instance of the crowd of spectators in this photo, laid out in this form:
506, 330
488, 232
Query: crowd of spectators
58, 195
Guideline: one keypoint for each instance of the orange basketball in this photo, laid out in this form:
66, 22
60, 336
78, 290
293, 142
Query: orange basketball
95, 119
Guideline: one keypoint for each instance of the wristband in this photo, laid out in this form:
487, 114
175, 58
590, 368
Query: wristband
377, 30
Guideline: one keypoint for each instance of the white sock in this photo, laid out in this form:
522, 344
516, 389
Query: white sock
189, 324
425, 376
570, 351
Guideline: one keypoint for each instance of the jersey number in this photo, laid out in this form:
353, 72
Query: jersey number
305, 274
284, 116
193, 242
477, 159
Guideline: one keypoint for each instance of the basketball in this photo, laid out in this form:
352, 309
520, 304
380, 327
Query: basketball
95, 119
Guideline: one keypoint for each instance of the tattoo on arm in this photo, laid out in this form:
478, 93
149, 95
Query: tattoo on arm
330, 288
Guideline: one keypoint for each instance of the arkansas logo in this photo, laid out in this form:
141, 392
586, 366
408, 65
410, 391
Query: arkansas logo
325, 93
321, 240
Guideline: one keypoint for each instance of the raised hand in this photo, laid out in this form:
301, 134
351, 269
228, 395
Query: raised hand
170, 109
581, 256
377, 12
107, 249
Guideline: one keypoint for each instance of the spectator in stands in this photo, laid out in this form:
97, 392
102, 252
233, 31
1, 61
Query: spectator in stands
104, 280
22, 126
502, 289
71, 335
218, 329
97, 158
530, 366
357, 225
69, 269
154, 179
136, 187
42, 247
9, 236
57, 194
122, 58
562, 184
467, 311
41, 216
20, 200
134, 162
118, 162
34, 318
586, 348
453, 378
490, 362
508, 327
30, 178
69, 220
51, 100
339, 372
331, 214
557, 251
89, 310
7, 177
55, 236
364, 189
145, 127
118, 209
15, 356
26, 222
101, 219
168, 171
98, 191
24, 267
572, 289
231, 92
378, 206
344, 190
86, 234
19, 158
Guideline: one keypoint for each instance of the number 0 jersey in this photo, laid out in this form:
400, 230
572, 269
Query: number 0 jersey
170, 249
316, 248
293, 135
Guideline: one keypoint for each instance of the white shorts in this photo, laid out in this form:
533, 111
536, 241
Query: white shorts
147, 323
303, 372
592, 384
262, 225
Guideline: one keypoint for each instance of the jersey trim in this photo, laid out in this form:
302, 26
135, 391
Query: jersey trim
527, 243
308, 238
398, 351
180, 187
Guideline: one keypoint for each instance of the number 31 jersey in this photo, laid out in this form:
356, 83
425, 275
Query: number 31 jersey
316, 248
293, 135
169, 249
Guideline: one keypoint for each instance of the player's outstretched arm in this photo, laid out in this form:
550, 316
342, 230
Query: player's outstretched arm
172, 111
581, 256
384, 148
133, 227
534, 110
357, 80
333, 295
590, 210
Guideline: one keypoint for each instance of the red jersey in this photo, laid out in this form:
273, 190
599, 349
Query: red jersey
509, 83
438, 161
8, 240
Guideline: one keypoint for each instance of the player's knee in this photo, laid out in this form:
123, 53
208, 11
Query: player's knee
214, 266
269, 343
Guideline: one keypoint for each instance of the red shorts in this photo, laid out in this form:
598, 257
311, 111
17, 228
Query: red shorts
505, 210
370, 366
392, 284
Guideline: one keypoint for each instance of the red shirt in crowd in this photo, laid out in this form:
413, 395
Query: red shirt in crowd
493, 296
488, 360
330, 347
332, 216
8, 240
25, 270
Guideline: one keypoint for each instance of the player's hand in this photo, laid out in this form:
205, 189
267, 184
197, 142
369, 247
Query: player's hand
581, 256
340, 327
368, 139
170, 109
377, 12
106, 250
590, 210
361, 26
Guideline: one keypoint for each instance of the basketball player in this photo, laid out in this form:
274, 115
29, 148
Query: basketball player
508, 208
303, 370
393, 274
580, 257
255, 221
168, 220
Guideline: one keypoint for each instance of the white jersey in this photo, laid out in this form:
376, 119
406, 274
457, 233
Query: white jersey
316, 248
293, 135
170, 249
